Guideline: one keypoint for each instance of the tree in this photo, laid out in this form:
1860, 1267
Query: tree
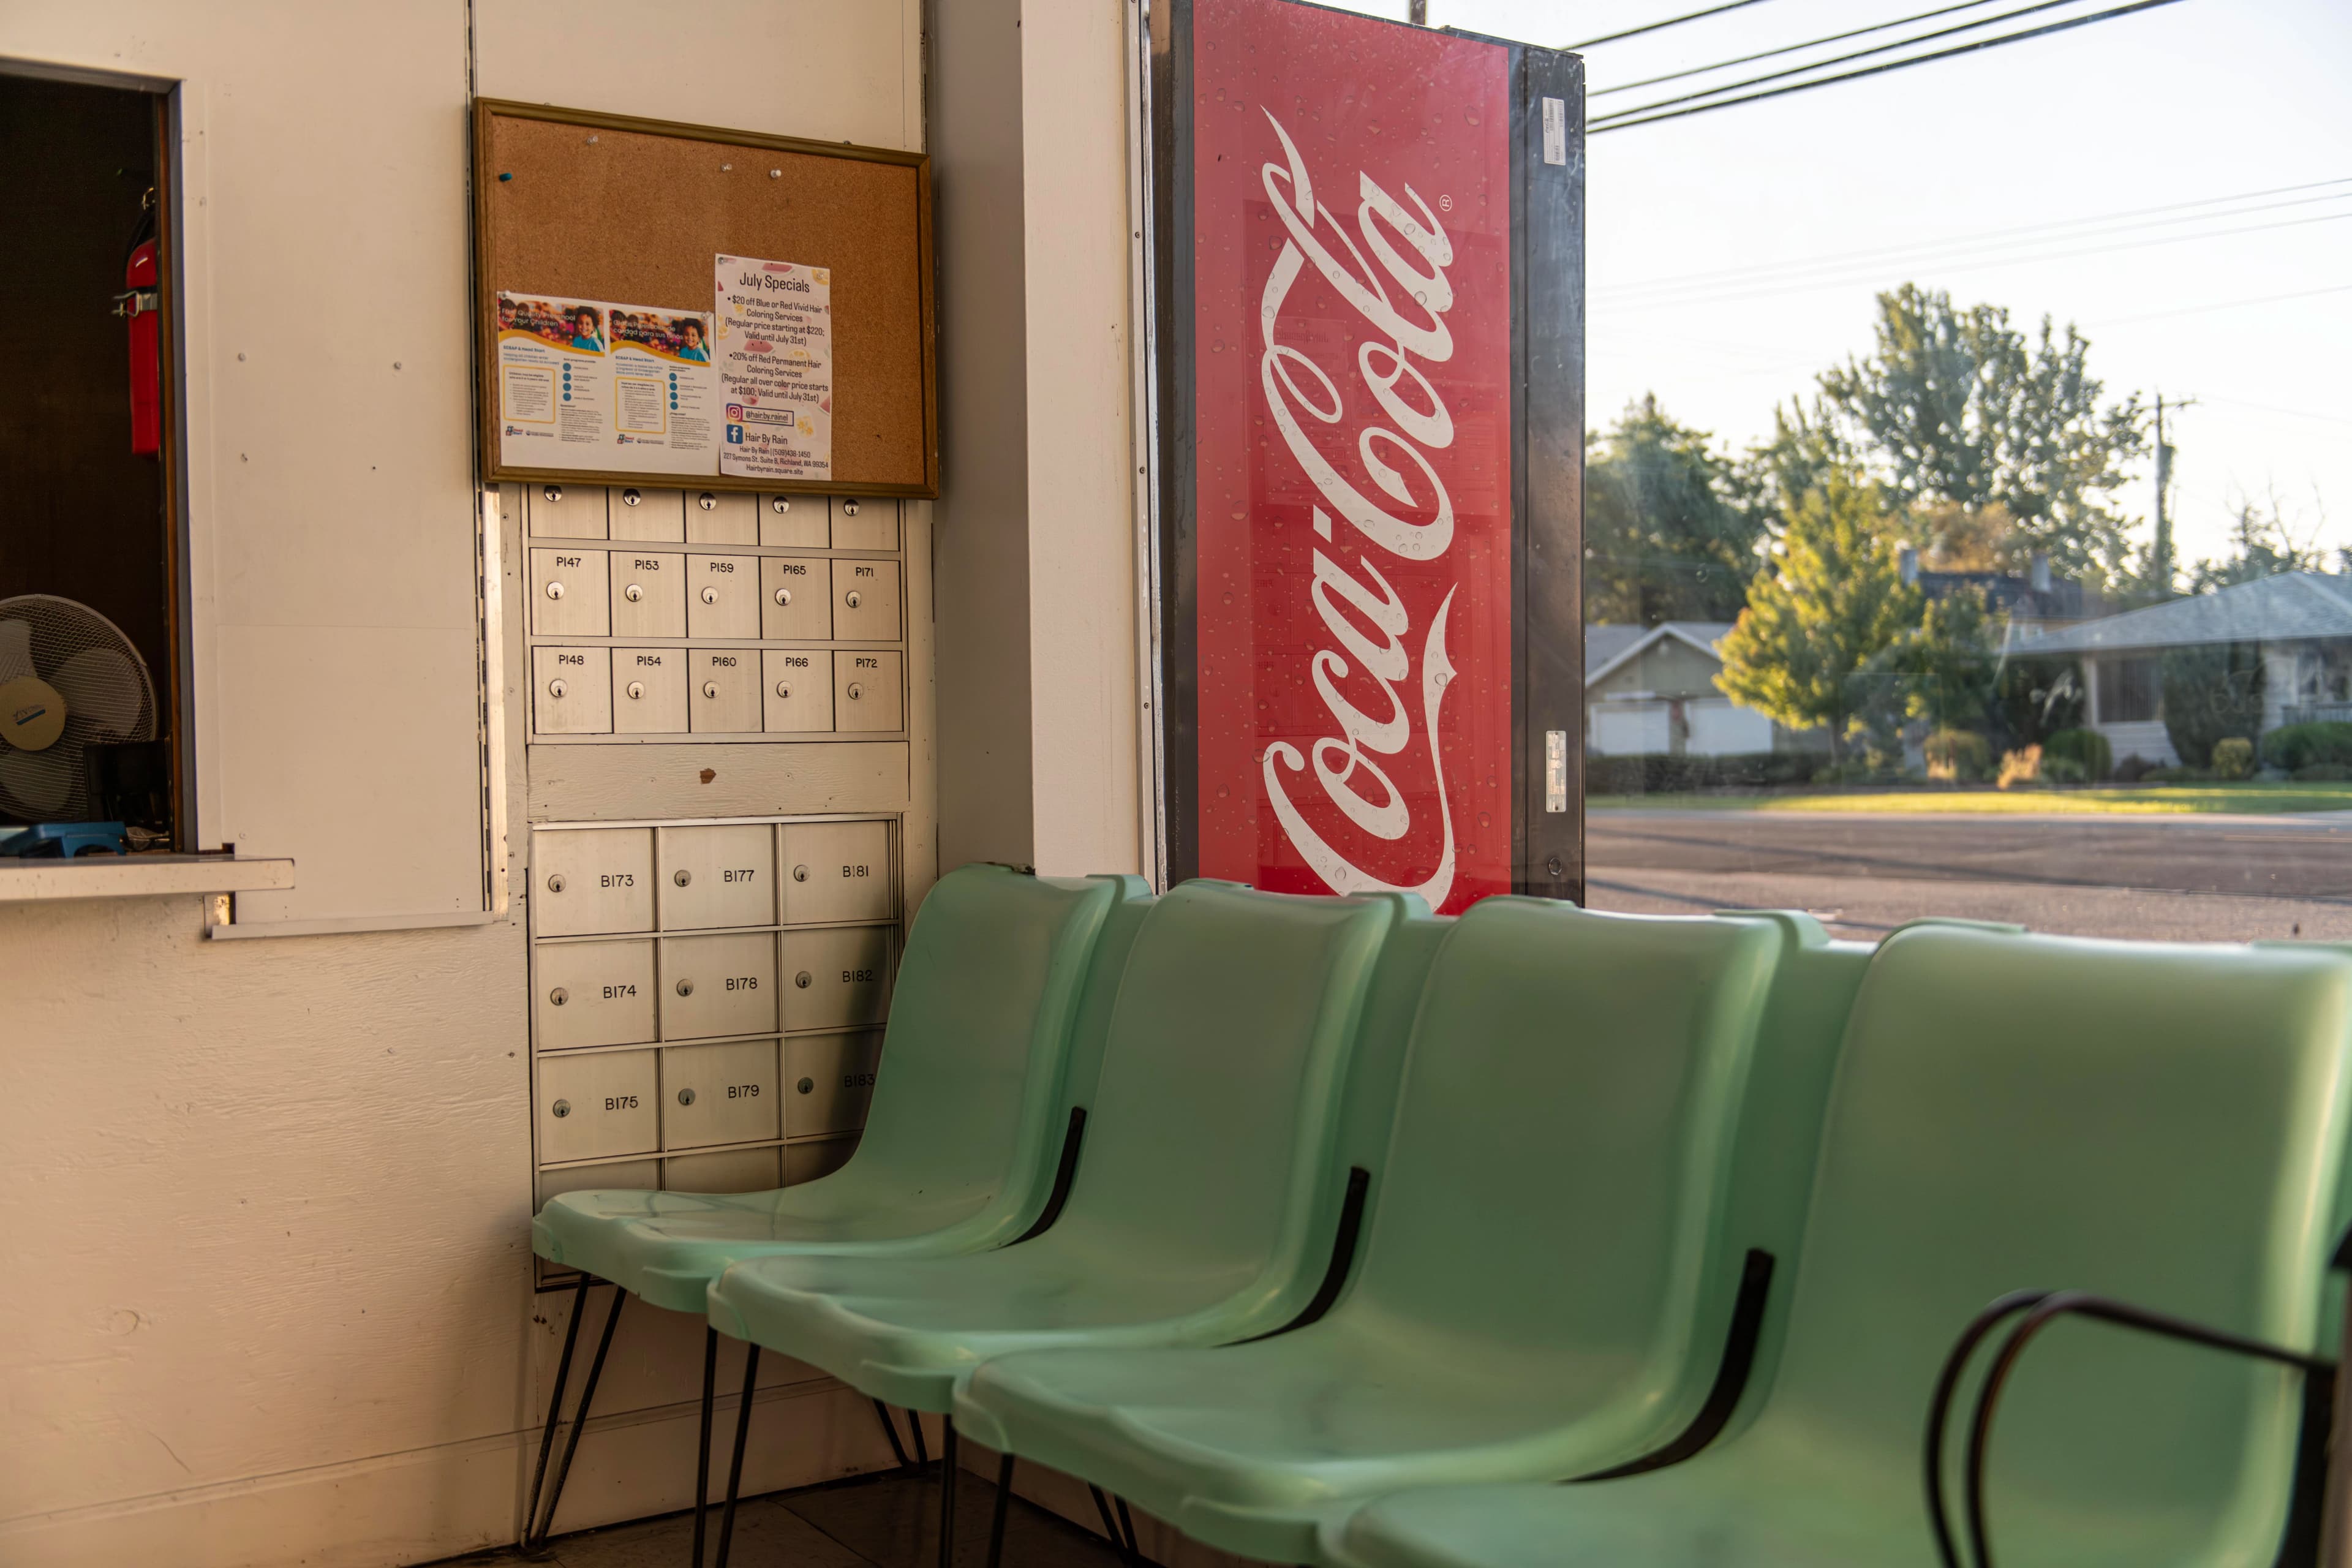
1833, 596
1942, 670
1662, 539
2212, 691
2263, 544
1958, 406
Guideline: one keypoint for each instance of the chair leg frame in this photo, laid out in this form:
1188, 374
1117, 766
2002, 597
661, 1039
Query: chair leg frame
947, 1490
536, 1524
735, 1464
702, 1448
890, 1426
996, 1519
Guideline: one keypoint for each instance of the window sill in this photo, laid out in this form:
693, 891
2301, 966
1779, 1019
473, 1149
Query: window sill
139, 876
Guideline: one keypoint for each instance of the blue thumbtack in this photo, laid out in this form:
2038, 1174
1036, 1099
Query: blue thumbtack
503, 178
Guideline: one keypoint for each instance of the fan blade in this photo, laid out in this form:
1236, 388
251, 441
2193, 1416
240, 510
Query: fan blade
102, 686
39, 781
16, 649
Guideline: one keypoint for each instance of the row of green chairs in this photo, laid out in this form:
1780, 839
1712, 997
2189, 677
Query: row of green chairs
1383, 1227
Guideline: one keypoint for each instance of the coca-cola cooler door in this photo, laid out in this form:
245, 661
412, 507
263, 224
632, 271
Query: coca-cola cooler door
1369, 280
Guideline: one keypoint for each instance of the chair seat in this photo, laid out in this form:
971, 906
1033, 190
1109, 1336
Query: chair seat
667, 1247
908, 1330
1822, 1510
1252, 1449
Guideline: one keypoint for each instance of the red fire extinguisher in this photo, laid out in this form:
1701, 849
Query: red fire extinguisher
139, 304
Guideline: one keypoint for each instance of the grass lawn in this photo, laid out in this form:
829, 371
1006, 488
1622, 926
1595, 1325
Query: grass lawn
2156, 800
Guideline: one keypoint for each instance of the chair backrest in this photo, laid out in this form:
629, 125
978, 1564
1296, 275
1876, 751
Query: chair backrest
2158, 1123
1210, 1137
968, 1096
1554, 1196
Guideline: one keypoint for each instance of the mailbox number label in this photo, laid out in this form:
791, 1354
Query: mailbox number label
613, 992
643, 564
743, 982
620, 1102
855, 871
742, 1091
720, 566
580, 659
860, 976
618, 879
857, 1081
745, 874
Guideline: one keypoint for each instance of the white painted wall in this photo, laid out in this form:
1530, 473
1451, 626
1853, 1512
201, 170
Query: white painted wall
263, 1204
1037, 619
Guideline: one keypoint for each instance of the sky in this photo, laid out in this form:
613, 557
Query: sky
1735, 255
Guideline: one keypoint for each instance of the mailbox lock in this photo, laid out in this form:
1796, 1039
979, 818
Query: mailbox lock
682, 877
633, 593
785, 690
636, 690
553, 493
856, 692
710, 688
802, 980
849, 509
806, 1086
711, 595
555, 589
799, 873
706, 500
685, 987
630, 498
555, 883
556, 688
852, 598
783, 595
685, 1097
559, 996
562, 1107
782, 503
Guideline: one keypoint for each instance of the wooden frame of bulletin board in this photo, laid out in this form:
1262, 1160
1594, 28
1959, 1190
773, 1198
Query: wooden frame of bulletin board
604, 207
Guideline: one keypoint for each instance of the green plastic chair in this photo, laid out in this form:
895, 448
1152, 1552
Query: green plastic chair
1206, 1207
1545, 1286
2161, 1125
968, 1121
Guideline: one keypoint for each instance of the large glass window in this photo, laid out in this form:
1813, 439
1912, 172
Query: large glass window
1969, 463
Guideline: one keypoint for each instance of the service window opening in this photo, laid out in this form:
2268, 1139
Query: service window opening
88, 574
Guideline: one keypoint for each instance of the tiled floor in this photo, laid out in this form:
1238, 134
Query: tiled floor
884, 1521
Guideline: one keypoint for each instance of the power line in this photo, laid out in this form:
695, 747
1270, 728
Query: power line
1787, 49
2093, 225
1838, 60
2222, 305
1619, 124
1998, 261
1661, 27
1964, 252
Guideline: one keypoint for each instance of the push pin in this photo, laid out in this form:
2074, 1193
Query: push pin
503, 178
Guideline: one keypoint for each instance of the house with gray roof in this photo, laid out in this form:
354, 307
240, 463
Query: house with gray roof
2302, 622
1651, 689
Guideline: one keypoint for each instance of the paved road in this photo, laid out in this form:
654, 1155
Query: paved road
2179, 878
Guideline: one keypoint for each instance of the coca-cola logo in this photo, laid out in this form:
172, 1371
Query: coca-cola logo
1400, 292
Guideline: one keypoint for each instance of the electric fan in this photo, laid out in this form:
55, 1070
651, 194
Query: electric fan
68, 679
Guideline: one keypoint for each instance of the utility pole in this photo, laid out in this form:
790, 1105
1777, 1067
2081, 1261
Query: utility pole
1417, 13
2161, 563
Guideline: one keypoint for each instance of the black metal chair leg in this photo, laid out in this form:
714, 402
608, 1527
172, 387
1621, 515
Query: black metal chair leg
1134, 1549
947, 1490
579, 1419
922, 1449
702, 1450
1110, 1525
735, 1466
554, 1406
996, 1523
890, 1426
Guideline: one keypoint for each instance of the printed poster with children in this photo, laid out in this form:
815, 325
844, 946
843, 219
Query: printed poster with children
585, 384
775, 368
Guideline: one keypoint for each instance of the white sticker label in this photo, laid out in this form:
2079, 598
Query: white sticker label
1555, 116
1555, 752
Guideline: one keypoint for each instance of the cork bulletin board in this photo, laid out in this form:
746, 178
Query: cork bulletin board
569, 203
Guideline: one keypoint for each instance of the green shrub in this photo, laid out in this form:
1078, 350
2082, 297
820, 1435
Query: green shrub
2086, 749
2323, 772
2233, 758
2212, 691
1960, 755
2296, 747
2062, 770
2174, 775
